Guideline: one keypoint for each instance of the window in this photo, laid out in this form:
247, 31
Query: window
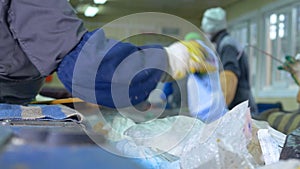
246, 33
252, 53
274, 29
239, 32
297, 20
277, 43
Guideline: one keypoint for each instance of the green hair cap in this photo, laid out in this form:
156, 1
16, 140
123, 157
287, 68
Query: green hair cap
193, 36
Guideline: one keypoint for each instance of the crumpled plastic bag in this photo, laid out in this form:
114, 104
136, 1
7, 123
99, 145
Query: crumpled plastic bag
118, 127
168, 134
226, 147
220, 144
205, 99
266, 143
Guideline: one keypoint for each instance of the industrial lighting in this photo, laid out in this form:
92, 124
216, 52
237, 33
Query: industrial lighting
100, 2
91, 11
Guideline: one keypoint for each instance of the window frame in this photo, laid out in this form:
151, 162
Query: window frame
258, 17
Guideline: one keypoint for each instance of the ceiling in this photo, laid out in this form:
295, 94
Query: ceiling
188, 9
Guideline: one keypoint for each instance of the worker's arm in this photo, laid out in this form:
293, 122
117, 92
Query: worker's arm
112, 73
229, 83
117, 74
292, 65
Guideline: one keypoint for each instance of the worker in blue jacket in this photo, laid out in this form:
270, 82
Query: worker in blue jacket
39, 37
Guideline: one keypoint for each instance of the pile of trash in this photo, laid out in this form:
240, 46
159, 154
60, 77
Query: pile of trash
233, 141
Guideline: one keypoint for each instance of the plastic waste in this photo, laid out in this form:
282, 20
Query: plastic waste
205, 97
217, 145
226, 147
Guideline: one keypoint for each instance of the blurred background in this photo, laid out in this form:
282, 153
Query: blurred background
271, 25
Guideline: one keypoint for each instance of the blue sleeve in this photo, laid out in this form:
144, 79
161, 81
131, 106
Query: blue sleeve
112, 73
168, 89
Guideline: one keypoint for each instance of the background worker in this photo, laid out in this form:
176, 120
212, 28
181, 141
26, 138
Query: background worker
235, 77
39, 37
278, 118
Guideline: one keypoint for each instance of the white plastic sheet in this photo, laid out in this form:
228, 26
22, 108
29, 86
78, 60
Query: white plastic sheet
218, 145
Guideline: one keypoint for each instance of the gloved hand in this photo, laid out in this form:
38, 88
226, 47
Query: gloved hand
292, 65
187, 57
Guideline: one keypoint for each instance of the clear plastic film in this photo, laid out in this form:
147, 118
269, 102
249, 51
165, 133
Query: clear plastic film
226, 147
205, 97
221, 144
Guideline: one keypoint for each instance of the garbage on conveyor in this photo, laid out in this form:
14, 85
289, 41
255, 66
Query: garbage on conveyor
232, 141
